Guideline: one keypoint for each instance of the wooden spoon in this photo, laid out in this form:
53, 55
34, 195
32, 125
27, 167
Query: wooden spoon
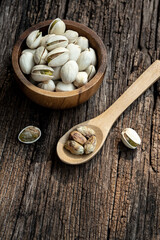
103, 123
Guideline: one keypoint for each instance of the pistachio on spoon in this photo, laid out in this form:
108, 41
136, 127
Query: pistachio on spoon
29, 134
130, 138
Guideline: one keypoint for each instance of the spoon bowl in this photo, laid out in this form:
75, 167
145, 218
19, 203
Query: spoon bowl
103, 123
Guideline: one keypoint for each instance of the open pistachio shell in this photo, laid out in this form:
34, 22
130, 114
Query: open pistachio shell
130, 138
29, 134
56, 41
34, 39
44, 39
40, 55
41, 73
91, 71
58, 57
57, 26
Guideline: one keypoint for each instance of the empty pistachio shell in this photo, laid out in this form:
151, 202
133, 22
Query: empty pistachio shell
81, 79
94, 58
71, 36
40, 55
47, 85
78, 137
74, 147
69, 71
63, 87
130, 138
90, 145
29, 134
58, 57
34, 39
84, 60
41, 73
83, 43
91, 71
86, 131
56, 41
74, 51
26, 62
57, 26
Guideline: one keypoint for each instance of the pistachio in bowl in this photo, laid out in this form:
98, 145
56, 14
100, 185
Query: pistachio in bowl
59, 64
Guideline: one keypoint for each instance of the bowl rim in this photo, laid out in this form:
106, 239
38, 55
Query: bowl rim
99, 74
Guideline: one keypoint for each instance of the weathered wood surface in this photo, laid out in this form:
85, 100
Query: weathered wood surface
117, 194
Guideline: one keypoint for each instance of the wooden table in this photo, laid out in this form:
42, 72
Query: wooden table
114, 196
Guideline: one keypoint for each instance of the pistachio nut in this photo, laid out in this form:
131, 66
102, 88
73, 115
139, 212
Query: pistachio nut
58, 57
56, 41
34, 39
69, 71
40, 55
130, 138
56, 73
57, 26
26, 62
47, 85
41, 73
45, 38
78, 137
81, 79
90, 145
91, 71
74, 51
84, 60
83, 43
28, 50
86, 131
94, 58
74, 147
63, 87
71, 36
29, 134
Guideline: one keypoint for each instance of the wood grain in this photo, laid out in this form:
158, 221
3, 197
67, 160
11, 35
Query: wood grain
114, 196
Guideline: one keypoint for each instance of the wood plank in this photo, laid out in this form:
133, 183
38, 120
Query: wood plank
114, 196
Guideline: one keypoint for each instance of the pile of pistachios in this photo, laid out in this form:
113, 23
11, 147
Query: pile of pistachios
59, 61
81, 141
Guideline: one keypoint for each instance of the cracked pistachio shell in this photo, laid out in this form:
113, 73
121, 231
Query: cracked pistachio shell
41, 73
94, 58
69, 71
130, 138
34, 39
40, 55
83, 43
81, 79
90, 145
57, 26
74, 51
91, 71
47, 85
71, 36
45, 38
84, 60
56, 73
26, 62
63, 87
58, 57
56, 41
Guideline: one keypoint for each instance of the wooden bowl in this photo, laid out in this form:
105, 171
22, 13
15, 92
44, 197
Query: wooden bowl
60, 100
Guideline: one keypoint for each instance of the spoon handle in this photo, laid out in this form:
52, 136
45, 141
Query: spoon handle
107, 118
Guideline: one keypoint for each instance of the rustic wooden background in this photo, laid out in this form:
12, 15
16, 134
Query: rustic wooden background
114, 196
